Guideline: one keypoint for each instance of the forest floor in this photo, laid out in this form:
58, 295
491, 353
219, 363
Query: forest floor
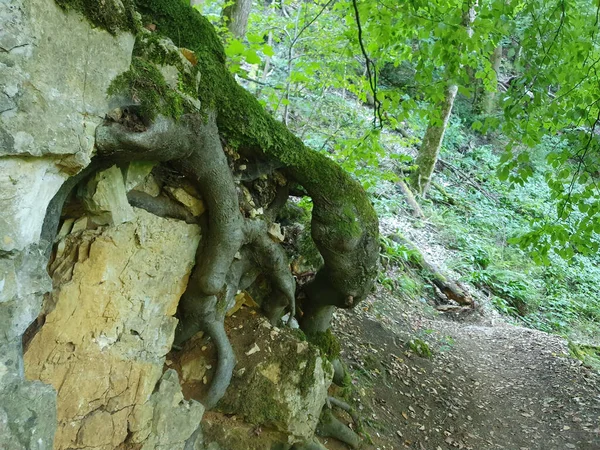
487, 384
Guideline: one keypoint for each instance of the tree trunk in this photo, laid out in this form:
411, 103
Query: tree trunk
432, 142
235, 16
434, 135
489, 99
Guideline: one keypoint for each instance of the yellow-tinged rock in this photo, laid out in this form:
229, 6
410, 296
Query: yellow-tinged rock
103, 345
193, 204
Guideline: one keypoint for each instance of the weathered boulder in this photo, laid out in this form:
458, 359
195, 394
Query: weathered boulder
110, 324
279, 385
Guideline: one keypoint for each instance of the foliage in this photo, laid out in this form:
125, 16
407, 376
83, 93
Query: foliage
420, 347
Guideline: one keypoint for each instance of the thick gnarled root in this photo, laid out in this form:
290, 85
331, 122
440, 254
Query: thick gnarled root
331, 426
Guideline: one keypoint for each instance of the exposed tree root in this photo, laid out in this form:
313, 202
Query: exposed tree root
161, 206
330, 426
344, 225
339, 372
332, 401
193, 147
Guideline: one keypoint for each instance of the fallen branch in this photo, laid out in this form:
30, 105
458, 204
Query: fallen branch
450, 289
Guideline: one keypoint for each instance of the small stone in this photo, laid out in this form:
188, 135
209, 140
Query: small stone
80, 224
253, 350
193, 204
275, 232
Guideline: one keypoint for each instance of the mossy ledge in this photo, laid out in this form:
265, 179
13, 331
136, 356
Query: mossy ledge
110, 15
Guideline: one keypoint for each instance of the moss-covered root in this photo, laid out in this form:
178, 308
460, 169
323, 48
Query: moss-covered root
344, 223
271, 258
330, 426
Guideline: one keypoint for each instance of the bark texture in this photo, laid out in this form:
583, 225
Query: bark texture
236, 16
489, 98
432, 142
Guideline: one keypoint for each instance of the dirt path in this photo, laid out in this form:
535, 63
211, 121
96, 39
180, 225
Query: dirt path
488, 384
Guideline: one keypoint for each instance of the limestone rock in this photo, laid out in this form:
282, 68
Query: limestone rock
111, 327
275, 232
175, 421
136, 174
55, 70
193, 204
27, 416
283, 386
105, 198
26, 188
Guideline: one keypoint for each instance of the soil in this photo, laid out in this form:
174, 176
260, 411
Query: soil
486, 385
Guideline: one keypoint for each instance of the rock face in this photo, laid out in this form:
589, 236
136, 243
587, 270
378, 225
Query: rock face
92, 376
110, 322
54, 71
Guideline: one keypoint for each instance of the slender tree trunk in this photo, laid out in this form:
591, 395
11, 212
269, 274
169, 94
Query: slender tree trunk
434, 135
235, 16
489, 99
291, 56
432, 142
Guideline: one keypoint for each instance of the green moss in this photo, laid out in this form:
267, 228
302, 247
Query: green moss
307, 378
244, 122
153, 48
326, 342
420, 347
262, 409
146, 85
184, 25
103, 14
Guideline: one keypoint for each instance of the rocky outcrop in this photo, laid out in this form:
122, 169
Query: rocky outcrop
279, 386
54, 72
110, 322
103, 307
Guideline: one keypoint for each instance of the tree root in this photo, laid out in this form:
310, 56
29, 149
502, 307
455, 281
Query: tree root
332, 401
161, 206
411, 200
330, 426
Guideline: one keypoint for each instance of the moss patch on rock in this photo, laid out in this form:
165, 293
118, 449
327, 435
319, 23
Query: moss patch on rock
110, 15
144, 84
327, 343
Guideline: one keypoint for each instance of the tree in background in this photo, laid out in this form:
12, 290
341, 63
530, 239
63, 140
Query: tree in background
235, 16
